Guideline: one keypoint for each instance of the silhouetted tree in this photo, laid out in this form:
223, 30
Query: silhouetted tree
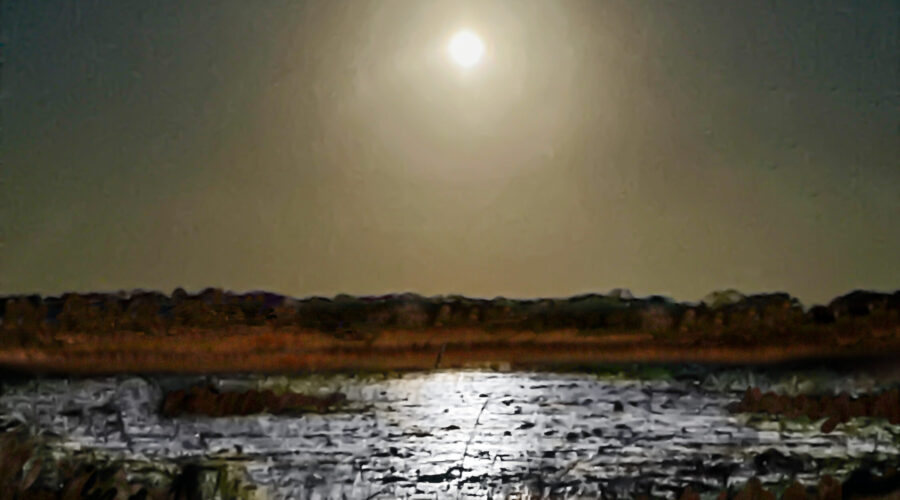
4, 324
77, 314
24, 318
411, 313
142, 313
247, 309
212, 296
859, 303
820, 315
234, 313
285, 314
111, 314
179, 295
195, 313
657, 318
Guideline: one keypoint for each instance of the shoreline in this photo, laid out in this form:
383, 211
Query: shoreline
221, 332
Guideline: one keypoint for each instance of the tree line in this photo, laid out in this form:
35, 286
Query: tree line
155, 312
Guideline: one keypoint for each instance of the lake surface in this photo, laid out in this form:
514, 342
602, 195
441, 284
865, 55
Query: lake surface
469, 434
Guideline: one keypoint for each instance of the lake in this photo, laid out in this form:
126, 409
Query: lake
473, 434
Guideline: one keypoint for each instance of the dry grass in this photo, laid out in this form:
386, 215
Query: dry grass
265, 349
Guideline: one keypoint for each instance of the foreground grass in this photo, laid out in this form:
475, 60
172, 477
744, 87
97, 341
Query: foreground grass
31, 468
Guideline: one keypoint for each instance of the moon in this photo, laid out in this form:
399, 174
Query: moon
466, 48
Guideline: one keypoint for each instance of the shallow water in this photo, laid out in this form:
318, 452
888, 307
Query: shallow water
465, 434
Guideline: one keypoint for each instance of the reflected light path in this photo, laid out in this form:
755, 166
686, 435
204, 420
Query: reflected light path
415, 436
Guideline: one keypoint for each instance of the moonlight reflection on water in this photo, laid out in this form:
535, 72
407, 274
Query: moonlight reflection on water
462, 433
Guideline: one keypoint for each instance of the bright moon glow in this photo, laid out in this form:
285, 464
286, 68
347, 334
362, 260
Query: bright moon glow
466, 48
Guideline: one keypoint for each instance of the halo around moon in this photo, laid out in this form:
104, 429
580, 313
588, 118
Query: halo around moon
466, 49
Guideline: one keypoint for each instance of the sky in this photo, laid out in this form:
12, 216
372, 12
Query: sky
325, 147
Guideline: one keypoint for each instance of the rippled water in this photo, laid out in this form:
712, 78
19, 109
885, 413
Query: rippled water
468, 434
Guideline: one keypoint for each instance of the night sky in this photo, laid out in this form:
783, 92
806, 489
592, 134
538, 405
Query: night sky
332, 147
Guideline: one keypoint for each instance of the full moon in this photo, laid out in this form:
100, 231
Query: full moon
466, 48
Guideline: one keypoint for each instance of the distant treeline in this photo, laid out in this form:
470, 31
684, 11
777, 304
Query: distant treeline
154, 312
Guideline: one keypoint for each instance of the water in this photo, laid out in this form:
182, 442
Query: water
464, 434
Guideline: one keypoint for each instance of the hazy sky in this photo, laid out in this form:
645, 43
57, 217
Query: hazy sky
324, 147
